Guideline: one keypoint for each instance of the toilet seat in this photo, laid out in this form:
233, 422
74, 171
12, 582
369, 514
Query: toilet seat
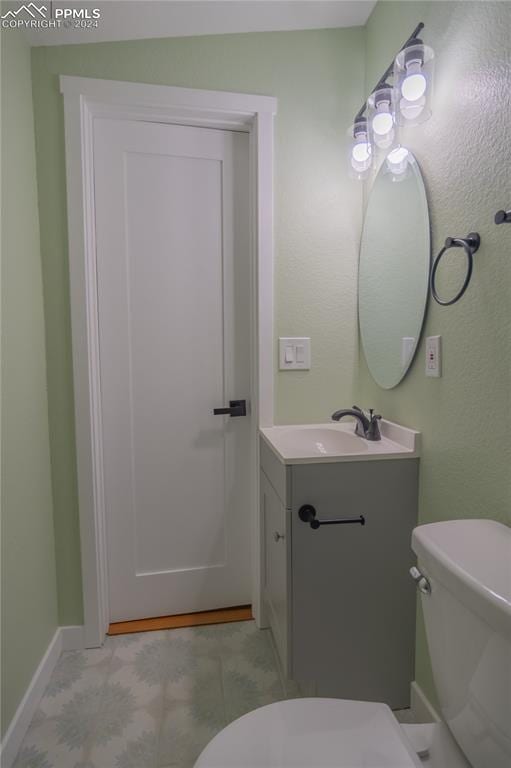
312, 733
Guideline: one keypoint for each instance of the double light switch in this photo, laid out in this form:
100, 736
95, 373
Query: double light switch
294, 353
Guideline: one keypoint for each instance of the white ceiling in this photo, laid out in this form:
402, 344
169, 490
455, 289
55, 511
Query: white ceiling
136, 19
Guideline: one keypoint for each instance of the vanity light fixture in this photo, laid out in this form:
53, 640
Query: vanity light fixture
405, 101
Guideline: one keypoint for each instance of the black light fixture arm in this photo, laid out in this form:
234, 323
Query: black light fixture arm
389, 69
503, 217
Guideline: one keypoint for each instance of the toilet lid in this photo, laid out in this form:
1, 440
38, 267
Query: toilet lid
312, 733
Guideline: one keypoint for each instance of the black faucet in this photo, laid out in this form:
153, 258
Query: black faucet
367, 427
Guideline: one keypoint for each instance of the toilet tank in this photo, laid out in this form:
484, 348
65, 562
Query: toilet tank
468, 627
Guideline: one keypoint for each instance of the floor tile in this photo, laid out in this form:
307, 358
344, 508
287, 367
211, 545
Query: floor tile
166, 659
125, 744
95, 715
73, 673
223, 639
203, 682
184, 735
146, 693
140, 752
151, 699
126, 647
247, 687
43, 748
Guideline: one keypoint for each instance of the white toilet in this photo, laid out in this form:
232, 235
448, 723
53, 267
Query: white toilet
466, 597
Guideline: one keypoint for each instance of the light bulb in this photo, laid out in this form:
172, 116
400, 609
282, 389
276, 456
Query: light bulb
414, 85
382, 118
361, 152
382, 123
360, 157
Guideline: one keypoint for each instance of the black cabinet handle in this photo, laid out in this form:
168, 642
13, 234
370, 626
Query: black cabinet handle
307, 514
236, 408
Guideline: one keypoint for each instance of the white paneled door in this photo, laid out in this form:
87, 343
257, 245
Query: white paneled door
172, 221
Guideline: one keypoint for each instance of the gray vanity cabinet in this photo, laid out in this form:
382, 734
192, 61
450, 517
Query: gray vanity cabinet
276, 562
339, 599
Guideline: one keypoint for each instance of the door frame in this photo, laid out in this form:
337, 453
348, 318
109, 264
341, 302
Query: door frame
86, 99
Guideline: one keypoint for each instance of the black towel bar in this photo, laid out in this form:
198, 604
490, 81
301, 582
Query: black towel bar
307, 514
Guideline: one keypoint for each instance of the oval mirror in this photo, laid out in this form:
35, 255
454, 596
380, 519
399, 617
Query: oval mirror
394, 272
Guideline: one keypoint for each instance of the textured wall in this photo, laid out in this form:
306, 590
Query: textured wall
465, 155
29, 595
318, 78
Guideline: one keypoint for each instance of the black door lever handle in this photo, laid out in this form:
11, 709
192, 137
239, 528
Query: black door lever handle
236, 408
307, 514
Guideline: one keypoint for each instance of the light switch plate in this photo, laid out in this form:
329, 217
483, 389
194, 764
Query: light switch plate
294, 353
434, 356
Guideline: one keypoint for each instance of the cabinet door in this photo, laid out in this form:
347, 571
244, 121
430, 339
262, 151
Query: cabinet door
275, 566
353, 602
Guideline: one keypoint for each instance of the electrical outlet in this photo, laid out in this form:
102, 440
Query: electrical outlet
434, 356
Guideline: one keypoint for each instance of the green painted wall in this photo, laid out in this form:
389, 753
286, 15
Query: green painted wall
465, 156
29, 595
318, 79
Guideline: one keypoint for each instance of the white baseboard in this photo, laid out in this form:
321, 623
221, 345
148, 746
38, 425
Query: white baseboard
421, 706
64, 639
73, 638
30, 701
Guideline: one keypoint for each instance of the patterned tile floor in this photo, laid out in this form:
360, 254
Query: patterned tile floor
151, 699
154, 699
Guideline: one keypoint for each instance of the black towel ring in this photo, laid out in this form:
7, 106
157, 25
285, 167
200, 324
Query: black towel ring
470, 245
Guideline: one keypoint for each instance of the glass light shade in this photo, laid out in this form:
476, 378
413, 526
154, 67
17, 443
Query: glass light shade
398, 161
381, 117
413, 73
360, 150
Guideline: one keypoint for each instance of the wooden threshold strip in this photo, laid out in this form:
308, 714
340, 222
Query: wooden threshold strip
219, 616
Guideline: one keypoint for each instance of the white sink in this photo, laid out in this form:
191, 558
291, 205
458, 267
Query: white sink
320, 440
313, 443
